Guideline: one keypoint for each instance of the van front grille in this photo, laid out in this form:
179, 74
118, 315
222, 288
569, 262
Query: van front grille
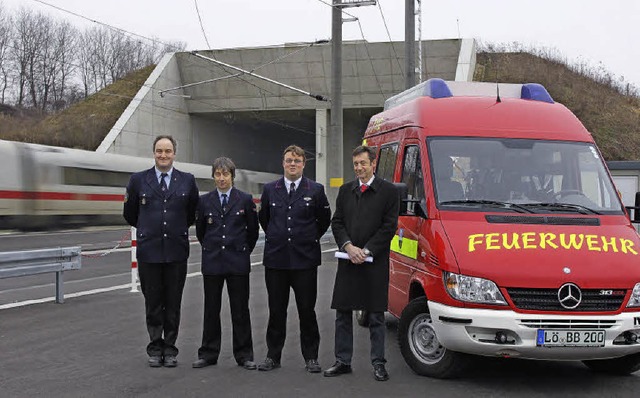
547, 300
568, 323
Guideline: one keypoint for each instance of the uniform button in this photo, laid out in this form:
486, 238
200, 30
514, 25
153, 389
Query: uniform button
289, 239
289, 229
223, 226
223, 236
165, 235
165, 211
288, 218
289, 207
165, 201
165, 223
222, 247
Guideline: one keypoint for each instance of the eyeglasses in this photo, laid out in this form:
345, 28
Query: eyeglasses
296, 161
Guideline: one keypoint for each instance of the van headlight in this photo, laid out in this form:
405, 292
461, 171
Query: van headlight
634, 300
472, 289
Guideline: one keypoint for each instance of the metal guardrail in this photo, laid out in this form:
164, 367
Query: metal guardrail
33, 262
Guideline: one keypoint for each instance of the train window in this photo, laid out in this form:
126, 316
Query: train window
89, 177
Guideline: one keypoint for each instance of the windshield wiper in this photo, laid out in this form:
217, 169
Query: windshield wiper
504, 205
563, 206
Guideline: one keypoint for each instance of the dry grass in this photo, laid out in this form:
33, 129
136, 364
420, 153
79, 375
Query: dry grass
612, 118
83, 125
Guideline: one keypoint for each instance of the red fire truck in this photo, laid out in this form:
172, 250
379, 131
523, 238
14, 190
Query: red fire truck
512, 240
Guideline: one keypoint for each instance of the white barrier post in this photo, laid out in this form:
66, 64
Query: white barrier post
134, 261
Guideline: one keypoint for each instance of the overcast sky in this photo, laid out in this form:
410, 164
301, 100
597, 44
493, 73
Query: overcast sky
600, 32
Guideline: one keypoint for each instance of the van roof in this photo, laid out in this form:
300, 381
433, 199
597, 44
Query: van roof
438, 88
470, 108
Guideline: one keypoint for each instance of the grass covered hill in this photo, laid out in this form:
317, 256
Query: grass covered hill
613, 118
82, 125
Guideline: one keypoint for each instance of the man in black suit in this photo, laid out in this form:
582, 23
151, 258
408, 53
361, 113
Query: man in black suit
363, 225
227, 228
294, 215
161, 203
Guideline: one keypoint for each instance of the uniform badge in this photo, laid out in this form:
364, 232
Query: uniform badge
144, 201
209, 220
241, 212
307, 198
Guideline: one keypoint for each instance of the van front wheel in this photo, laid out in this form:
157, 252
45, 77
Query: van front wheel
420, 346
617, 366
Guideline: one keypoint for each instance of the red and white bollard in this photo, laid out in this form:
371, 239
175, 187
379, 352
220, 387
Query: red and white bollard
134, 261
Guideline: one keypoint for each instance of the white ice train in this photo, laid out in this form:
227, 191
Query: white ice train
48, 187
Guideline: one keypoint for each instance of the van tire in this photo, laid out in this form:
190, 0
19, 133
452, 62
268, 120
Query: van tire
420, 347
616, 366
362, 317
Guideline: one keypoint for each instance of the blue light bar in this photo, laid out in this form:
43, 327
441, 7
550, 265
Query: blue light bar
535, 92
438, 88
434, 88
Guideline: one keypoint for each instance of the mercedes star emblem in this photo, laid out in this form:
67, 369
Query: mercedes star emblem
569, 296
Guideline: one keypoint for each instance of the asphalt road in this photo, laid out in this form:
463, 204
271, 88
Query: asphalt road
93, 345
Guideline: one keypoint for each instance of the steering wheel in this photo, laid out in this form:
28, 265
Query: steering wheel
566, 192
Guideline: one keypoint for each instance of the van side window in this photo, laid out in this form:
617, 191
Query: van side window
412, 172
387, 162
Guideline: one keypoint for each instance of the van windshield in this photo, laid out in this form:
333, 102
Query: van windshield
532, 176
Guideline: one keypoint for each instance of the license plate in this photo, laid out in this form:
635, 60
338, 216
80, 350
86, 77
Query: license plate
570, 338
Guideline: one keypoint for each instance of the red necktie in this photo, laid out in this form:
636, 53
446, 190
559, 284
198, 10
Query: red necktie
363, 187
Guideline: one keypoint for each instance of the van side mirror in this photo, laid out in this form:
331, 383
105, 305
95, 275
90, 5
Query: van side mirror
410, 207
636, 210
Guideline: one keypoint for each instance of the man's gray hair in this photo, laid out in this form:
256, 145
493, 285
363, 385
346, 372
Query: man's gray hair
224, 164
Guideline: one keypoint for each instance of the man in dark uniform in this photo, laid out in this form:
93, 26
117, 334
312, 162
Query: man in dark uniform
363, 225
161, 203
227, 228
294, 214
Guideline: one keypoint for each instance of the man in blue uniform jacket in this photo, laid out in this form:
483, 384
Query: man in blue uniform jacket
294, 214
161, 203
227, 228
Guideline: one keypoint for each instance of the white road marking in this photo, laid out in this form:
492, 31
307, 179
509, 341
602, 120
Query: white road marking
100, 290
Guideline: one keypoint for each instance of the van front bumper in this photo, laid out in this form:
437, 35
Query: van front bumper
474, 331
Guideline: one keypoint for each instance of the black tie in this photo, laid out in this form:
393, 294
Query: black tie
225, 202
292, 190
163, 183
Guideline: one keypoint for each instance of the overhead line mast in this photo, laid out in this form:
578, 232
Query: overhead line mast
335, 161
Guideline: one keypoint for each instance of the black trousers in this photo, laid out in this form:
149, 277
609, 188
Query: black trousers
304, 283
162, 285
238, 290
344, 337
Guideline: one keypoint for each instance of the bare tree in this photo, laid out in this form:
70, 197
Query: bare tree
65, 44
5, 40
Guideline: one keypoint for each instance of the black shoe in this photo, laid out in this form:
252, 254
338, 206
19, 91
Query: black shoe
268, 364
249, 365
170, 361
155, 361
337, 369
380, 373
313, 366
202, 362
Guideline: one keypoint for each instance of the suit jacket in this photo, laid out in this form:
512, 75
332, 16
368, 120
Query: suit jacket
227, 236
369, 220
293, 227
162, 219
